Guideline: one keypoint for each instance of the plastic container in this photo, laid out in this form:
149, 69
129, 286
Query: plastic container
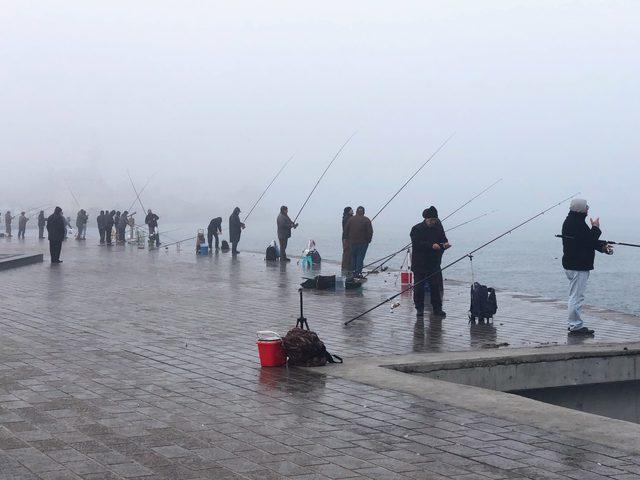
406, 278
270, 349
204, 249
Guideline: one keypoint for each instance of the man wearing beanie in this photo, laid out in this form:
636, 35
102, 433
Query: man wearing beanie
428, 243
579, 244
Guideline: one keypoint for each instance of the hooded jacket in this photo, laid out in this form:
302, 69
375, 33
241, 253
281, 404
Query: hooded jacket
152, 220
42, 221
108, 221
359, 229
55, 225
215, 226
423, 257
235, 226
285, 224
579, 249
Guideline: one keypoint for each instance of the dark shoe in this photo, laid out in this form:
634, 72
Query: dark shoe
581, 331
440, 313
56, 261
285, 259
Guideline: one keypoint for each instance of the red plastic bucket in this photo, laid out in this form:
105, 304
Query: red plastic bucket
270, 350
406, 278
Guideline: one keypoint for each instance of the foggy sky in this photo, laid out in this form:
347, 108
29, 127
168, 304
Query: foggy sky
212, 97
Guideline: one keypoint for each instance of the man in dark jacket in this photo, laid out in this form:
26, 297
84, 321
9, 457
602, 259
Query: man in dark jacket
100, 221
7, 222
359, 232
579, 244
108, 225
235, 230
347, 213
22, 224
56, 231
213, 230
428, 243
42, 222
152, 222
285, 224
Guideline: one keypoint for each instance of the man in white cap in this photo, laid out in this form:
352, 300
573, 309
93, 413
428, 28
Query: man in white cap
579, 244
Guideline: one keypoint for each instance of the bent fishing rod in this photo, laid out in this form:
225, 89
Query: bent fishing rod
431, 157
386, 258
72, 194
268, 186
406, 247
323, 174
604, 241
468, 254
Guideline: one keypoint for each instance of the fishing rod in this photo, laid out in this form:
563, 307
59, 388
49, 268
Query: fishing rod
323, 174
167, 245
604, 241
136, 192
72, 194
406, 247
468, 254
270, 183
143, 189
414, 174
386, 258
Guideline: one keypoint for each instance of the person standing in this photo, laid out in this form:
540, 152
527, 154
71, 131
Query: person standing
56, 230
81, 224
100, 220
346, 248
121, 228
42, 221
213, 230
359, 232
235, 230
152, 222
108, 226
284, 224
428, 243
22, 224
7, 222
579, 244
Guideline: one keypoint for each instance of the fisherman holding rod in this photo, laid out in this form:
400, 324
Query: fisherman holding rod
428, 243
579, 244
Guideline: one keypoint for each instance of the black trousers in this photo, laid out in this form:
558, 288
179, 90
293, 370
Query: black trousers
41, 232
210, 237
234, 246
434, 280
101, 230
108, 235
283, 247
54, 249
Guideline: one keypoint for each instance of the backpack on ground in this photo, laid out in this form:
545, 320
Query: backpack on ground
484, 303
320, 282
271, 255
224, 246
305, 349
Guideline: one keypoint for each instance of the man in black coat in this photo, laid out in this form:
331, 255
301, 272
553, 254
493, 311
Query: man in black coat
428, 242
108, 225
100, 221
579, 244
56, 230
152, 222
235, 230
213, 230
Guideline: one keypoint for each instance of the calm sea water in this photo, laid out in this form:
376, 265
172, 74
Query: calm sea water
528, 260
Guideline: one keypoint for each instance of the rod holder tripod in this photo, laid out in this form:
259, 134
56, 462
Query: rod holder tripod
302, 322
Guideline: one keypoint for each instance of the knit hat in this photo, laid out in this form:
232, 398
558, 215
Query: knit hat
578, 205
430, 212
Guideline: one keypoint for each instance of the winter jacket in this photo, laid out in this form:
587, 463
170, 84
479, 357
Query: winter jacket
235, 226
108, 221
101, 219
424, 258
55, 227
215, 226
582, 242
285, 224
22, 221
41, 220
345, 219
359, 230
152, 220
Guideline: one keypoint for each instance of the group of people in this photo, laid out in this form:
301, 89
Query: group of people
22, 223
112, 222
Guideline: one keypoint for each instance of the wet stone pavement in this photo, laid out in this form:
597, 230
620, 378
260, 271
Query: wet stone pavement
127, 364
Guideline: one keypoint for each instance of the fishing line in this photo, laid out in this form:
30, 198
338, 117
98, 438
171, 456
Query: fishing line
270, 183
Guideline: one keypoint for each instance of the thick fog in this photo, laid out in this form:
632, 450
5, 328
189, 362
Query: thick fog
211, 98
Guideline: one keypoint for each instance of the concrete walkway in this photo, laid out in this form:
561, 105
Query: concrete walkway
123, 363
